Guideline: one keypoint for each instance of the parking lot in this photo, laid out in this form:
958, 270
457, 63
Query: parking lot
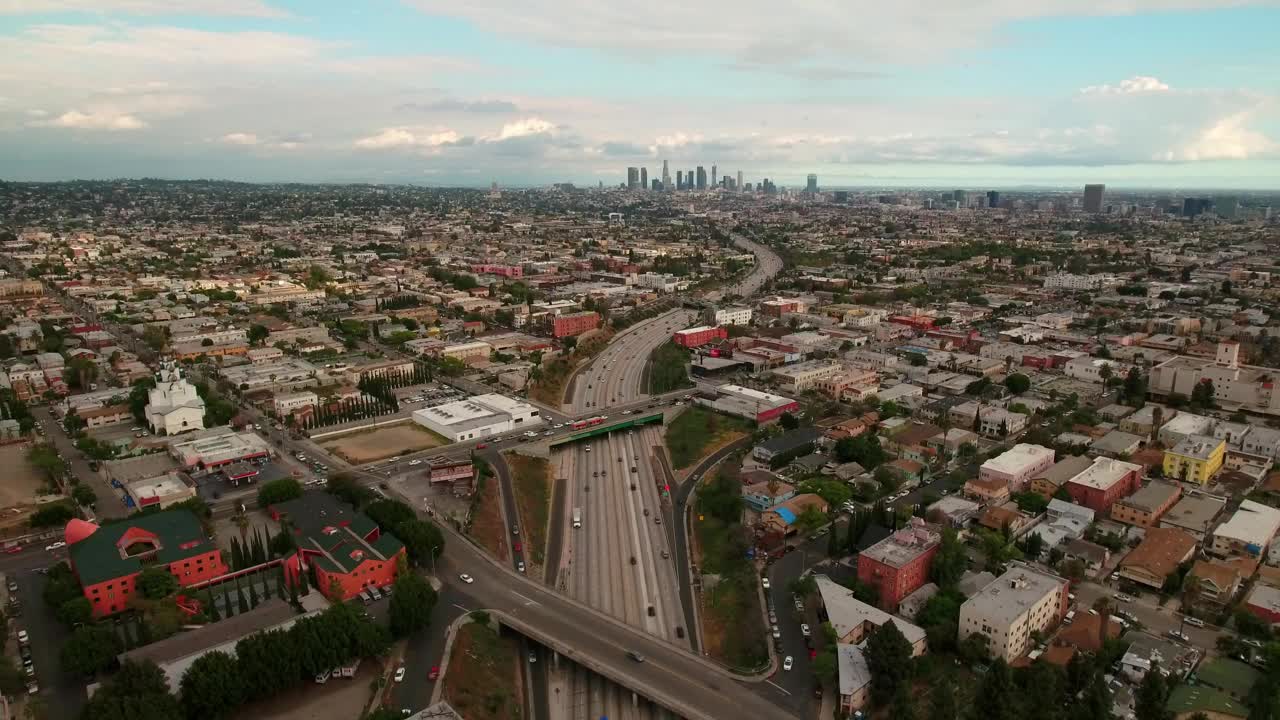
429, 395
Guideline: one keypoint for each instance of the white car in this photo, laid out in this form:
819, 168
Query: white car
764, 583
804, 630
466, 578
400, 674
55, 546
415, 462
786, 663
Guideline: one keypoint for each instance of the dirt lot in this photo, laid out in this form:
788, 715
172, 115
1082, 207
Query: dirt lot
381, 443
338, 698
486, 525
531, 479
21, 481
481, 680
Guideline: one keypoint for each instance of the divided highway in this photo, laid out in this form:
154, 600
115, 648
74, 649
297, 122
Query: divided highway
614, 376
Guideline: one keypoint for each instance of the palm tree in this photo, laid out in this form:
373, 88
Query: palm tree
1103, 607
242, 524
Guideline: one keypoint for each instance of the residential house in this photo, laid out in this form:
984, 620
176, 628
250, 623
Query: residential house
1161, 551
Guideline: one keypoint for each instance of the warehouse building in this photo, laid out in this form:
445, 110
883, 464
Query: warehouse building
478, 417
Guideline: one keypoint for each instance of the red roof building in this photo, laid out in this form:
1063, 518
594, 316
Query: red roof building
695, 337
898, 565
563, 326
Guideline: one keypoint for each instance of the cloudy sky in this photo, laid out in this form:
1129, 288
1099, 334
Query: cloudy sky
1173, 93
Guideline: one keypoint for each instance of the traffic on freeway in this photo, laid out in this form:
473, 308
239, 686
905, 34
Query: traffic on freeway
615, 375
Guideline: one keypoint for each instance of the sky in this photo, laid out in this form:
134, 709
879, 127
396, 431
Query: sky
985, 93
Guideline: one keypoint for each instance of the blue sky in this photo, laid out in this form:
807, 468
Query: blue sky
1172, 93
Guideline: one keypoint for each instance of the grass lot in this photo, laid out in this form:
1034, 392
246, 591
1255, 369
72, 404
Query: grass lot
531, 479
481, 679
367, 446
732, 624
486, 518
1199, 698
23, 481
1233, 676
668, 369
698, 431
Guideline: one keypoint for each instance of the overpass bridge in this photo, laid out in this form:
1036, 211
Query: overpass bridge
607, 427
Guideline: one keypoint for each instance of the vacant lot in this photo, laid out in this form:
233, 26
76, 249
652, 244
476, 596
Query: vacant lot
551, 386
481, 679
337, 698
21, 480
486, 519
668, 369
368, 446
698, 432
531, 478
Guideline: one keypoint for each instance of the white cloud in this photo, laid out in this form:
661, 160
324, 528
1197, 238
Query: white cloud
1136, 85
405, 137
522, 128
1226, 139
241, 8
794, 34
93, 121
240, 138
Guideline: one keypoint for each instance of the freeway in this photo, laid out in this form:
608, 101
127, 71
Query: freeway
768, 264
670, 675
614, 377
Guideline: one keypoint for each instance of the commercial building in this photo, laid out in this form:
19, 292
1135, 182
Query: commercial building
1249, 531
787, 444
481, 416
698, 336
1264, 601
289, 403
1235, 386
460, 474
1093, 198
574, 324
806, 375
173, 405
1103, 483
1160, 553
1017, 465
898, 565
1145, 507
1022, 601
749, 403
343, 549
160, 491
222, 448
1196, 459
466, 352
107, 560
732, 316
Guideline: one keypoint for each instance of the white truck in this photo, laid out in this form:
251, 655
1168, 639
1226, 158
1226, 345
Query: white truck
577, 517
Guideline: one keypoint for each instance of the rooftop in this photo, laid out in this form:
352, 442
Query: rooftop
846, 612
1104, 473
1200, 447
1161, 551
1254, 524
1195, 512
334, 534
904, 545
1015, 459
1015, 592
120, 549
1065, 469
1151, 496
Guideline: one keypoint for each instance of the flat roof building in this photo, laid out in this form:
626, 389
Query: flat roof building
1249, 531
1145, 507
1194, 514
478, 417
750, 403
1022, 601
1017, 465
898, 565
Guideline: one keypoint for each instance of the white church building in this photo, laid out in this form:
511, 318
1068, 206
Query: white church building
173, 405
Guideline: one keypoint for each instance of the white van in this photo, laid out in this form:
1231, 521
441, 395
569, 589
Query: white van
1193, 621
1070, 618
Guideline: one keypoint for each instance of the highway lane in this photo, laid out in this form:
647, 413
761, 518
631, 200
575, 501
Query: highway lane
614, 376
768, 264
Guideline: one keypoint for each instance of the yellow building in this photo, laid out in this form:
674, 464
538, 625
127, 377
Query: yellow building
1196, 458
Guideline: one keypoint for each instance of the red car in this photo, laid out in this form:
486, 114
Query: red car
812, 653
518, 547
481, 446
435, 672
13, 549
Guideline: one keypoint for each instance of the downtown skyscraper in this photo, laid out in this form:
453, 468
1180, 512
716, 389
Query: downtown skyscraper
644, 178
1093, 198
666, 176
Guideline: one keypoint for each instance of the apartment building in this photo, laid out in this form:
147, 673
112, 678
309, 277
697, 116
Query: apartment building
1248, 532
991, 421
732, 316
1161, 551
1022, 601
289, 403
807, 375
574, 324
898, 565
1017, 465
698, 336
1145, 507
1103, 483
1048, 482
1195, 459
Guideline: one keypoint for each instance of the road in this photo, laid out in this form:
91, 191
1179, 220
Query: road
614, 376
768, 264
109, 503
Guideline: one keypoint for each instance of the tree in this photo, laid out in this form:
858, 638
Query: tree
904, 707
951, 560
91, 649
1202, 395
825, 666
76, 611
788, 421
12, 679
995, 699
1017, 383
942, 702
258, 334
411, 603
278, 491
156, 582
1152, 697
138, 691
888, 657
211, 687
84, 495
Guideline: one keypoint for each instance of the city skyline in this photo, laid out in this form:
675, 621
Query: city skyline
1000, 96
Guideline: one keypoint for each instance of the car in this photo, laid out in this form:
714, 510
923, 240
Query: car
633, 469
466, 578
1121, 597
657, 519
786, 663
595, 474
533, 657
804, 630
435, 673
764, 583
799, 605
23, 638
400, 674
635, 656
776, 632
1252, 643
55, 546
515, 529
520, 566
415, 462
665, 554
481, 446
32, 688
13, 549
1178, 635
517, 546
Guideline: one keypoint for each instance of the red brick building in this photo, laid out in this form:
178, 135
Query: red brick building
898, 565
338, 546
506, 271
1103, 483
695, 337
107, 560
574, 324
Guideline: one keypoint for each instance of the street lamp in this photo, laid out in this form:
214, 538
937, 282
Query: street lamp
434, 549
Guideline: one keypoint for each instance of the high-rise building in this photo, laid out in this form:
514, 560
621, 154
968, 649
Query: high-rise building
702, 178
714, 181
655, 185
1093, 198
1193, 207
993, 198
740, 185
644, 178
960, 197
666, 176
811, 184
679, 179
1228, 207
633, 178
